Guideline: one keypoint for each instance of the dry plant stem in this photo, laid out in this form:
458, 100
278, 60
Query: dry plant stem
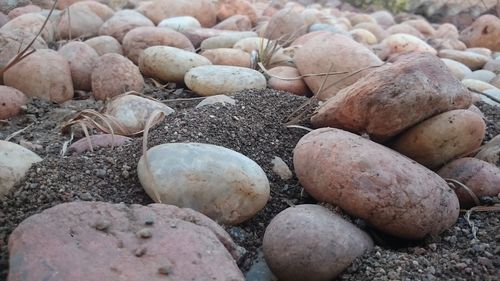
26, 52
300, 127
494, 208
17, 132
156, 115
455, 184
263, 68
182, 99
352, 74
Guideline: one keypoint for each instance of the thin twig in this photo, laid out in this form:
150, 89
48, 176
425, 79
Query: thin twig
17, 132
455, 183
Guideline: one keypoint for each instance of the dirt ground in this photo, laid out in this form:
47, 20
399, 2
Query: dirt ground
254, 127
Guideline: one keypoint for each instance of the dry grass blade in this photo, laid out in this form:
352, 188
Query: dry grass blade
157, 114
65, 145
455, 184
9, 137
26, 51
300, 127
264, 69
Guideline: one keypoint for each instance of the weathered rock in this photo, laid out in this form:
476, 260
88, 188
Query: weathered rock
404, 43
30, 23
203, 10
473, 61
309, 242
79, 21
15, 161
333, 53
105, 44
198, 35
11, 101
114, 75
82, 59
287, 78
14, 13
477, 85
228, 8
227, 56
442, 138
169, 64
49, 76
133, 242
217, 99
415, 87
372, 182
133, 112
458, 69
218, 182
122, 22
180, 23
141, 38
484, 32
236, 23
481, 177
209, 80
226, 40
481, 75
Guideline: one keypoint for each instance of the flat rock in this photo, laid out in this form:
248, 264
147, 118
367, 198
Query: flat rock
472, 60
458, 69
481, 75
15, 161
102, 241
180, 23
209, 80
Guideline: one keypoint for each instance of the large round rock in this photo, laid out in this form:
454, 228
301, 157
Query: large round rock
218, 182
309, 242
374, 183
212, 80
102, 241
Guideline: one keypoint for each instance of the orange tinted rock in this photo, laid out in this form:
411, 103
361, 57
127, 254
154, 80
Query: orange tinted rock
228, 8
288, 84
285, 26
227, 56
484, 32
236, 22
82, 59
11, 101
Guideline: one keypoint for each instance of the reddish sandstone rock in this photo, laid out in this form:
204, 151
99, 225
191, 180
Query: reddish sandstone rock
101, 241
228, 8
236, 22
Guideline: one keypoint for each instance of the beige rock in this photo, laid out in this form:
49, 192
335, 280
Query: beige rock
285, 26
423, 26
198, 35
493, 65
228, 8
227, 56
209, 80
404, 29
226, 40
481, 75
223, 184
459, 70
169, 64
79, 21
180, 23
363, 36
23, 10
14, 163
477, 85
472, 60
374, 28
30, 23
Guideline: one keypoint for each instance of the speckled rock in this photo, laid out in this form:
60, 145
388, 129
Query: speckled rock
119, 241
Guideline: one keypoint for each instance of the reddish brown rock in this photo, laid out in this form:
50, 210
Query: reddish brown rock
11, 101
82, 59
101, 241
94, 141
415, 87
287, 78
78, 21
140, 38
114, 75
228, 8
236, 23
122, 22
227, 56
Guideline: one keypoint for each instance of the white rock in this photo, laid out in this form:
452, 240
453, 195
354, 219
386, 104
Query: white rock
15, 161
281, 168
169, 64
458, 69
217, 99
218, 182
209, 80
180, 23
481, 75
477, 85
495, 93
